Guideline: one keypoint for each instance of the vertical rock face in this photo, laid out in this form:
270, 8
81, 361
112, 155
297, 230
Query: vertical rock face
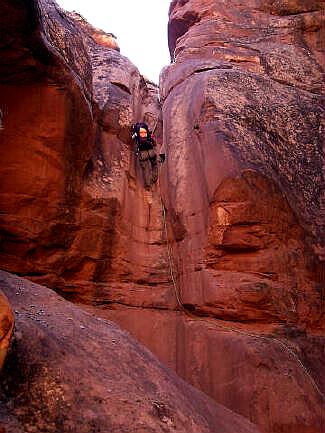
234, 301
47, 133
73, 211
261, 66
243, 124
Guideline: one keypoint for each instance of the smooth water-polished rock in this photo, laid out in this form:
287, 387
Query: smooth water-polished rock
74, 213
242, 188
71, 372
243, 126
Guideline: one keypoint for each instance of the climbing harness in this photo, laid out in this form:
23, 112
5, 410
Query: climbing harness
226, 328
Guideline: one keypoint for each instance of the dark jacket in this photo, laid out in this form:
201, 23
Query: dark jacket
145, 143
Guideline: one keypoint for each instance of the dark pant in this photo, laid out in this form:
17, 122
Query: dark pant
148, 162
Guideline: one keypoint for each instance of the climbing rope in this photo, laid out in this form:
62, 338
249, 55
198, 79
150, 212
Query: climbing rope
169, 253
226, 328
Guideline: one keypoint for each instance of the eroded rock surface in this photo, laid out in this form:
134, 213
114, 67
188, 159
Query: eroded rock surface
260, 68
47, 134
71, 372
242, 189
246, 186
74, 214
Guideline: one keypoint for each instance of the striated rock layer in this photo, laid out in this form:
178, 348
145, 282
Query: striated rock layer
241, 315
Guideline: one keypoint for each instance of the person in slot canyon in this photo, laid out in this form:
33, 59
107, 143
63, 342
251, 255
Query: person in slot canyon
146, 151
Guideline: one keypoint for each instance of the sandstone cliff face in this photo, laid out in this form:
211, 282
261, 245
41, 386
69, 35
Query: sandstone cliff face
243, 123
260, 66
47, 133
242, 188
71, 192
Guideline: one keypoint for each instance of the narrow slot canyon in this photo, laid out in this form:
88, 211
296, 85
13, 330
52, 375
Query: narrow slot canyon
196, 306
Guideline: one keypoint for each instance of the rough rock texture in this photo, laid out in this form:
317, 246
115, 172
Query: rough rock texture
246, 184
98, 36
274, 377
6, 327
260, 65
242, 189
70, 372
71, 192
246, 187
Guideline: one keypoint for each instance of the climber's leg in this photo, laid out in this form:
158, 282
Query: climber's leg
146, 168
154, 171
154, 165
147, 174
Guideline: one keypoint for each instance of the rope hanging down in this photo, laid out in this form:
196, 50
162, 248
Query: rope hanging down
170, 259
226, 328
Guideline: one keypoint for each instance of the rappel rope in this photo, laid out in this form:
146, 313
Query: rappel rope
226, 328
169, 253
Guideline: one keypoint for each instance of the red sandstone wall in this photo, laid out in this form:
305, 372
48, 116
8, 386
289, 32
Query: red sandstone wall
242, 186
42, 162
243, 124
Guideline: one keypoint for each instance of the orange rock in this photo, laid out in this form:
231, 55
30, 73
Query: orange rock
242, 185
6, 327
247, 368
245, 182
107, 40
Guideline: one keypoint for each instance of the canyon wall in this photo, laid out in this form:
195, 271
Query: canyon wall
70, 372
71, 193
244, 127
71, 202
234, 301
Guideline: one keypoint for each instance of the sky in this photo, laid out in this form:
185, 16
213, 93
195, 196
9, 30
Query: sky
139, 25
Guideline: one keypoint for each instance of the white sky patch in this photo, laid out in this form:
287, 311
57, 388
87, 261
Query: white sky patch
139, 25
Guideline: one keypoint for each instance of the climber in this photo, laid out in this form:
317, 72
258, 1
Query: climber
147, 154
